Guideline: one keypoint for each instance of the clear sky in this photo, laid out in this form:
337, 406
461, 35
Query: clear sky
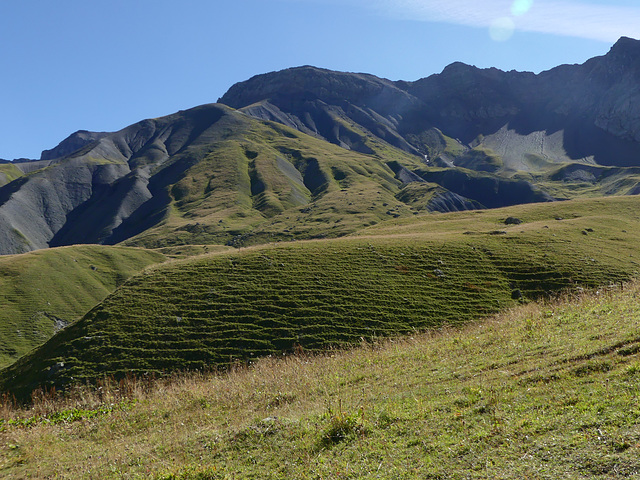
101, 65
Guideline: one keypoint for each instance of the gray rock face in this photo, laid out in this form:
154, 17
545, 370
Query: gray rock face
111, 188
595, 105
31, 216
312, 100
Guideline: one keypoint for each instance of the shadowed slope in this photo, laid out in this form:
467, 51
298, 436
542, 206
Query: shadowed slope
397, 277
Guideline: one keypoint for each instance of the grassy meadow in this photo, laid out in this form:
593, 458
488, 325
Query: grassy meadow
544, 390
41, 292
397, 278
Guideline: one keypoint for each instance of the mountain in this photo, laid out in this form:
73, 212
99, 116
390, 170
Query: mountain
284, 150
357, 164
584, 113
210, 174
71, 144
205, 175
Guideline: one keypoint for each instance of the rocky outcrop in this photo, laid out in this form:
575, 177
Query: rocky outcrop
72, 144
445, 202
595, 106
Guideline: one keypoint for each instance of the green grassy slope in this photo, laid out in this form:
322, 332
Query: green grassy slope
43, 291
407, 275
252, 182
544, 391
8, 173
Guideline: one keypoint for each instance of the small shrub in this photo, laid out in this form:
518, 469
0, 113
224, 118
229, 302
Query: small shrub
342, 426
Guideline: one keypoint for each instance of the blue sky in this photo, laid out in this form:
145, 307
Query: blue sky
101, 65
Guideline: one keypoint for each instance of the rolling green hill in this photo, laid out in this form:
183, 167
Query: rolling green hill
44, 291
543, 391
395, 278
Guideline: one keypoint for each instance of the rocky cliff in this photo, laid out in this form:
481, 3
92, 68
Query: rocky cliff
264, 162
595, 105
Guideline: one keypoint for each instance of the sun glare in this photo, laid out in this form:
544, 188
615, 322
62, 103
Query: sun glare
520, 7
502, 29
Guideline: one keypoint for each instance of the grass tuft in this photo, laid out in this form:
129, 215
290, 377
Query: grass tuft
341, 426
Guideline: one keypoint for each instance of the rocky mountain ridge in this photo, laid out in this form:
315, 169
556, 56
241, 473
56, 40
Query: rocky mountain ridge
221, 173
596, 104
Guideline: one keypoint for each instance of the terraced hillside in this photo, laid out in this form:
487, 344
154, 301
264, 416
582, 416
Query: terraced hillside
44, 291
439, 269
587, 234
543, 391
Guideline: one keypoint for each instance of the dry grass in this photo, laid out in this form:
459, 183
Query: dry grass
545, 390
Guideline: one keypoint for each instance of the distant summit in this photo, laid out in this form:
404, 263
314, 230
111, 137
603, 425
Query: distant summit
593, 105
625, 46
71, 144
308, 152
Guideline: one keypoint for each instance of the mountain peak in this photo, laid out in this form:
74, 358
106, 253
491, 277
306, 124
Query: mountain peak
72, 143
302, 83
626, 47
457, 67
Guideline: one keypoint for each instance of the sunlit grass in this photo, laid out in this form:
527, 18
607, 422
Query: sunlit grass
545, 390
43, 291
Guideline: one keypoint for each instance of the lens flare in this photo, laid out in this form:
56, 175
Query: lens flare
502, 29
520, 7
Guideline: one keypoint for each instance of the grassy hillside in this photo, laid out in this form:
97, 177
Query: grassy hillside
246, 182
543, 391
396, 278
8, 173
43, 291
